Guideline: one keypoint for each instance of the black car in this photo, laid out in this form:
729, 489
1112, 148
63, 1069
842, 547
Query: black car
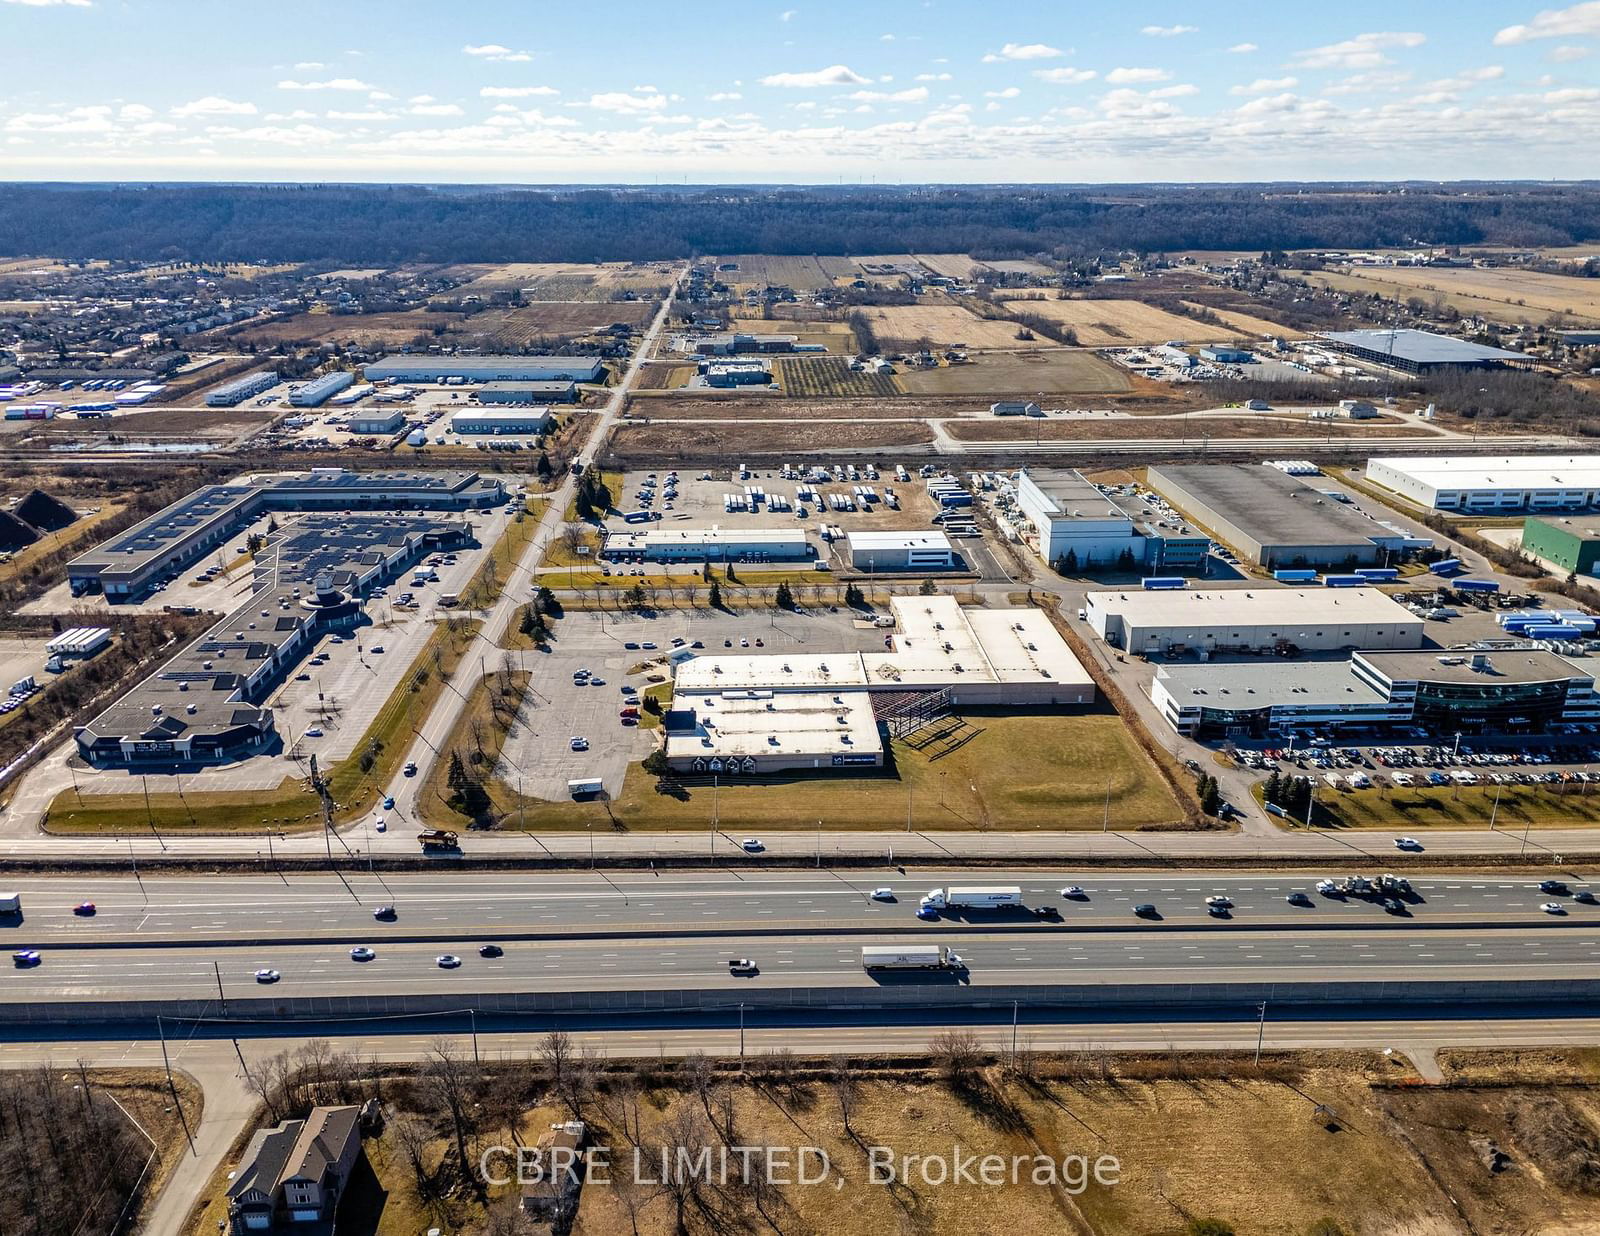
1046, 912
490, 950
1558, 887
1585, 896
1145, 910
384, 913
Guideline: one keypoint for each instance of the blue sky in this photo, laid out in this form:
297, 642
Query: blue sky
893, 90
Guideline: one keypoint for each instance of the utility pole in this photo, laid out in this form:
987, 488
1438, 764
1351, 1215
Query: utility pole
321, 788
1014, 1006
741, 1030
220, 996
1261, 1030
1496, 809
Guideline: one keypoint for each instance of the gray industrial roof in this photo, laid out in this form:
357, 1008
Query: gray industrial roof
1267, 505
1420, 346
1258, 684
1501, 667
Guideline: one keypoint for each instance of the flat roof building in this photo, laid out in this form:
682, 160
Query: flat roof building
525, 421
1420, 351
708, 545
900, 551
379, 421
1571, 542
1254, 619
1077, 525
1274, 519
1479, 483
318, 391
527, 392
486, 368
232, 394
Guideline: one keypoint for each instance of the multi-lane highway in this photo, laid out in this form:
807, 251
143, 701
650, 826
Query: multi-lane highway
444, 907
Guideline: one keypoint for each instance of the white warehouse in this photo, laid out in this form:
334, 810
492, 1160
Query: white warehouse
901, 551
708, 545
1252, 620
1480, 483
486, 368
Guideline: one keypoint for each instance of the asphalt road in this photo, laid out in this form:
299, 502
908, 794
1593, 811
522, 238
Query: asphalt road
462, 906
806, 961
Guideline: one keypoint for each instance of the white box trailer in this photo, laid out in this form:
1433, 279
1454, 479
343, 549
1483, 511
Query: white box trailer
909, 957
972, 898
583, 787
10, 903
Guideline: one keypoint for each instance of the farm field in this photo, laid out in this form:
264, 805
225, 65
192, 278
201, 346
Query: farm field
1248, 323
809, 377
803, 274
1035, 372
567, 320
566, 280
951, 265
900, 327
1504, 294
1114, 323
373, 330
658, 442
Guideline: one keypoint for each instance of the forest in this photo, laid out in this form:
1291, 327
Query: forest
385, 224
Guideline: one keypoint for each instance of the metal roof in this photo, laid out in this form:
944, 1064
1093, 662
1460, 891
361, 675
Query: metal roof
1420, 347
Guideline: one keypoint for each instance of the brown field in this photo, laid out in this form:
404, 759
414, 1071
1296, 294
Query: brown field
1247, 323
1505, 294
951, 265
375, 330
761, 407
1019, 266
566, 280
900, 327
1116, 323
641, 441
1036, 372
662, 376
1099, 428
803, 274
566, 320
185, 424
807, 377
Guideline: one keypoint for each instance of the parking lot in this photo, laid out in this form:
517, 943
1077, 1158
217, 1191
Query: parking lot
1533, 760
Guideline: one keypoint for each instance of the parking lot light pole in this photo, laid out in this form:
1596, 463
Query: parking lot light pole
1261, 1030
1496, 809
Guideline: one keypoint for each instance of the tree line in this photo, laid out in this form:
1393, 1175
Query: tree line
375, 224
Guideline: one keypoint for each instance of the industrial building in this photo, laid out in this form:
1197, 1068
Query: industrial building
1419, 351
232, 394
767, 713
525, 421
379, 421
527, 392
1221, 354
126, 566
735, 343
735, 373
1014, 407
900, 551
203, 707
1261, 619
1482, 483
486, 369
1469, 693
1571, 543
709, 545
1273, 519
1078, 525
318, 391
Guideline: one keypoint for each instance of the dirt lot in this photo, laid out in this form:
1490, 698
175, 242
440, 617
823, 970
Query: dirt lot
758, 407
568, 280
567, 320
1505, 294
677, 442
1111, 323
900, 327
170, 424
1034, 373
806, 377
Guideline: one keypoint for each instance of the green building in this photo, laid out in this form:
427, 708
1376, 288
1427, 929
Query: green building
1571, 542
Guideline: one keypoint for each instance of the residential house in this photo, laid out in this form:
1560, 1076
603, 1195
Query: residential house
292, 1176
560, 1175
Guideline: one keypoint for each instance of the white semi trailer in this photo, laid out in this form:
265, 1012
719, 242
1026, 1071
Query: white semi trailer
909, 957
970, 898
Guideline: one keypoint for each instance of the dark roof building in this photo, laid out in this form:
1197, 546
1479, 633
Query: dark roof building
1420, 351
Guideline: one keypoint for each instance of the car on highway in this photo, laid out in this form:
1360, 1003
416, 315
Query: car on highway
1585, 896
927, 913
1219, 902
883, 894
381, 824
84, 909
490, 950
25, 957
1557, 887
1048, 913
384, 914
1219, 909
361, 953
1553, 907
1145, 910
752, 845
578, 743
388, 802
1407, 843
1297, 898
410, 769
447, 961
1073, 892
1393, 905
267, 976
741, 965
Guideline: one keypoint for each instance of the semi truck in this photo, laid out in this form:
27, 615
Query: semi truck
970, 898
910, 957
10, 903
438, 840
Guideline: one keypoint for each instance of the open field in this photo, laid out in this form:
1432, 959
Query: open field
566, 320
1504, 294
1018, 428
900, 327
177, 424
803, 274
1114, 323
1246, 322
1036, 372
951, 265
765, 407
382, 331
672, 442
1466, 806
600, 281
809, 377
662, 376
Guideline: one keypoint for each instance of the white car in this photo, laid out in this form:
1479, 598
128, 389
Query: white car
883, 894
1553, 907
752, 845
361, 953
267, 976
1326, 886
1073, 892
1218, 901
448, 961
313, 731
1407, 843
382, 824
579, 744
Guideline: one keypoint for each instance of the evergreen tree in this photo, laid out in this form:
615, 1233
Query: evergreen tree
1273, 790
716, 595
543, 468
1210, 796
784, 598
456, 778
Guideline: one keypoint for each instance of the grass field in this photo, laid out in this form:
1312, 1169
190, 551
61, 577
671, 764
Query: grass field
676, 442
803, 274
1035, 372
1246, 322
1504, 294
1192, 429
1458, 807
901, 327
566, 320
568, 280
1115, 323
811, 377
1044, 770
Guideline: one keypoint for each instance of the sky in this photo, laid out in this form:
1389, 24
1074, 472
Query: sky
741, 91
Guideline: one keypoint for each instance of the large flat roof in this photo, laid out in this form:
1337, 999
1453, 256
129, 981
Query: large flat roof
1516, 665
1420, 347
1258, 684
1271, 507
1497, 471
1072, 496
767, 723
931, 539
1585, 526
1255, 606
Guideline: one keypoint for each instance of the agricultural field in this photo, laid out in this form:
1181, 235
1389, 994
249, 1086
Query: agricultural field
662, 376
811, 377
1246, 322
1115, 323
902, 327
952, 265
381, 331
566, 320
567, 280
803, 274
1035, 372
1503, 294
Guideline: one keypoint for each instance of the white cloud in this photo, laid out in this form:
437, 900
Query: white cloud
420, 98
833, 75
917, 94
1010, 92
308, 66
369, 114
1567, 53
1167, 32
1136, 77
211, 105
725, 96
435, 109
379, 96
1365, 51
1066, 77
933, 77
886, 38
787, 14
1580, 19
1024, 51
1181, 91
50, 4
1385, 81
495, 51
337, 83
1266, 85
1585, 95
1242, 49
517, 92
627, 104
135, 111
95, 119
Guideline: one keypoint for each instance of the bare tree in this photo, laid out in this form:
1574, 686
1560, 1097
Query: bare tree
846, 1091
449, 1082
958, 1055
